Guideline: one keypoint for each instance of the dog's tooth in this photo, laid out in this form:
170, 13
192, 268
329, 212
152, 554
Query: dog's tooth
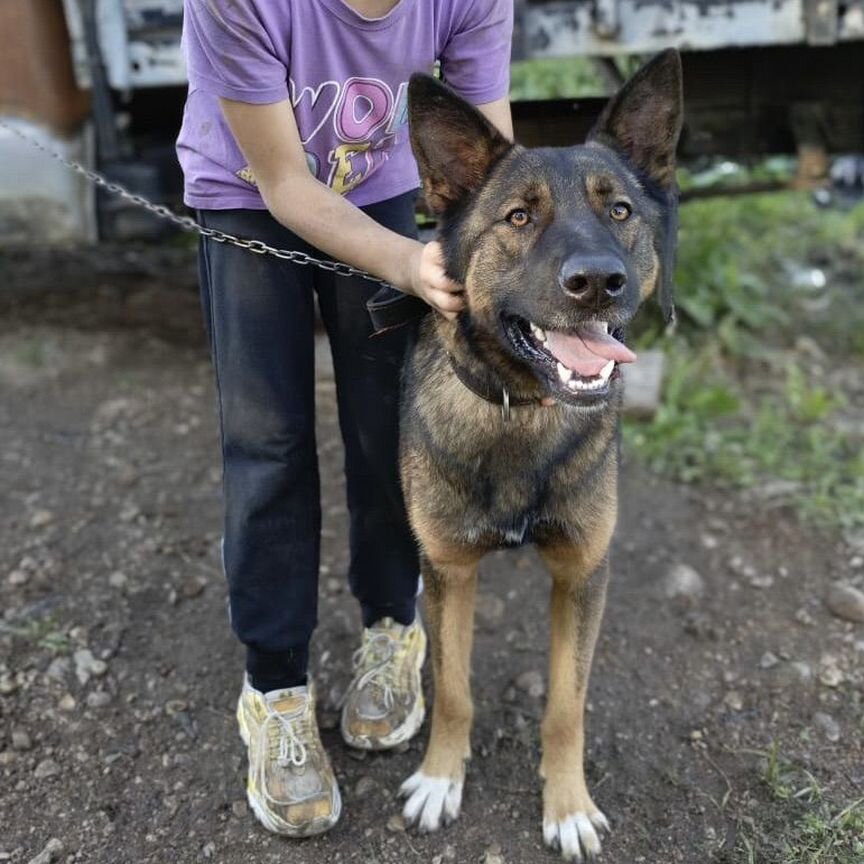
538, 332
564, 373
606, 371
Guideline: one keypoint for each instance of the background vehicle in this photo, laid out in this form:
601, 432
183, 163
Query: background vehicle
104, 80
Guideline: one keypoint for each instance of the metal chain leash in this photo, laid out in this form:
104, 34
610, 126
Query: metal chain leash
187, 223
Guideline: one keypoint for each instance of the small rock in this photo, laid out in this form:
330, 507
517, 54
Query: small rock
52, 852
173, 707
396, 823
734, 700
192, 588
685, 584
98, 699
827, 725
334, 585
209, 850
86, 665
761, 582
46, 768
768, 660
58, 669
67, 702
239, 808
829, 671
531, 683
490, 608
795, 674
18, 578
118, 580
364, 787
846, 602
493, 855
41, 518
21, 740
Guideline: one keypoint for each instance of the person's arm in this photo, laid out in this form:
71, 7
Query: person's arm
268, 137
498, 113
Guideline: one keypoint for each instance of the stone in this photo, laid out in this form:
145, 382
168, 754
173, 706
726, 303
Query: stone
532, 683
396, 823
492, 855
46, 768
490, 608
846, 602
58, 669
240, 808
768, 660
98, 699
87, 666
67, 702
21, 740
41, 518
52, 852
364, 787
117, 579
684, 583
827, 725
794, 674
734, 700
643, 383
18, 577
829, 671
209, 850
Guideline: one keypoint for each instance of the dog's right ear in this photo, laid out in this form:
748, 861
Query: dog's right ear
454, 144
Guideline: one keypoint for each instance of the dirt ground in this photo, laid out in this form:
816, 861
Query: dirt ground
118, 673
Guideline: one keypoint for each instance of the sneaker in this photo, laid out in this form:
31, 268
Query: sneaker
384, 704
291, 787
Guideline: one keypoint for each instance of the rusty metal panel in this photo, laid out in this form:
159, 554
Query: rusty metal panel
36, 78
560, 29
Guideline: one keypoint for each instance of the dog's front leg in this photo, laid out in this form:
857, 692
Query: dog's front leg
434, 792
571, 820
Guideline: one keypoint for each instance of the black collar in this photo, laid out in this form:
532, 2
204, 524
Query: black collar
497, 394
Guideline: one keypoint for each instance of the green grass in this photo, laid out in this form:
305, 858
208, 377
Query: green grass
741, 406
554, 79
815, 831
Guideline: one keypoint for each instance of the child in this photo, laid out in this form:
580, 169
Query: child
295, 134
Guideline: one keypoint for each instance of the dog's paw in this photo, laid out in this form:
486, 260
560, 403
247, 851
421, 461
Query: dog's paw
431, 801
576, 835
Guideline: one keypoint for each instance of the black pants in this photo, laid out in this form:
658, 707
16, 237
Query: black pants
260, 318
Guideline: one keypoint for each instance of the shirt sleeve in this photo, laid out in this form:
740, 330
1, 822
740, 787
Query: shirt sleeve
475, 60
230, 53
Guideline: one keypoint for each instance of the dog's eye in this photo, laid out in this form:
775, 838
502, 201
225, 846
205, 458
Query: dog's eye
620, 211
518, 218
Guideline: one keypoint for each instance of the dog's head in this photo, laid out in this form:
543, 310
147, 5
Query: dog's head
556, 247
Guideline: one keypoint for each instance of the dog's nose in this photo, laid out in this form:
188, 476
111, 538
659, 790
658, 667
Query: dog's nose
593, 279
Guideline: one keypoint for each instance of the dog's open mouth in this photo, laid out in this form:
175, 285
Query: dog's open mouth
579, 364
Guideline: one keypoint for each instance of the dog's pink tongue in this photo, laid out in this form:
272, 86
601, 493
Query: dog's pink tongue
587, 350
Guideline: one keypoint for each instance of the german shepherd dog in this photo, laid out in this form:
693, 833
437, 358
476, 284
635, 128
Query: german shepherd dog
509, 426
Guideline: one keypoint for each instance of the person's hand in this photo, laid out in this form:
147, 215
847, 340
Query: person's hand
429, 282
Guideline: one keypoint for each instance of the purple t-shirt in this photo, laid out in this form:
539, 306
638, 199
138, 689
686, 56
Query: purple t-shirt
346, 77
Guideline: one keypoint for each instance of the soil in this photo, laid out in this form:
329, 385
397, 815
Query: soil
110, 491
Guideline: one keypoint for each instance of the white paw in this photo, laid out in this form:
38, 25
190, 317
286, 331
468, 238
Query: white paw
432, 801
576, 835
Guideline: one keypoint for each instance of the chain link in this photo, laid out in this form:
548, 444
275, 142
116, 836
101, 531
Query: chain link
187, 223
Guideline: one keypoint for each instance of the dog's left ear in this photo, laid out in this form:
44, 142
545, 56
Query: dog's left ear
643, 122
454, 144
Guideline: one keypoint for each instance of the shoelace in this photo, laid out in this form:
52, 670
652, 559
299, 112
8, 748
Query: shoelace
290, 749
380, 670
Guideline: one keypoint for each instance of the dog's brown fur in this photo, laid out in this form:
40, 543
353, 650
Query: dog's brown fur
475, 480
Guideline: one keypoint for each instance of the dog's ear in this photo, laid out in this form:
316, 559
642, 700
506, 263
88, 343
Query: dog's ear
643, 119
454, 144
643, 122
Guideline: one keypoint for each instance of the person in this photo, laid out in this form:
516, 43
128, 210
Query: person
295, 133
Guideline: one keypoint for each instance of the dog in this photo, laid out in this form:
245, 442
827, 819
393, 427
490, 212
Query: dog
510, 414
